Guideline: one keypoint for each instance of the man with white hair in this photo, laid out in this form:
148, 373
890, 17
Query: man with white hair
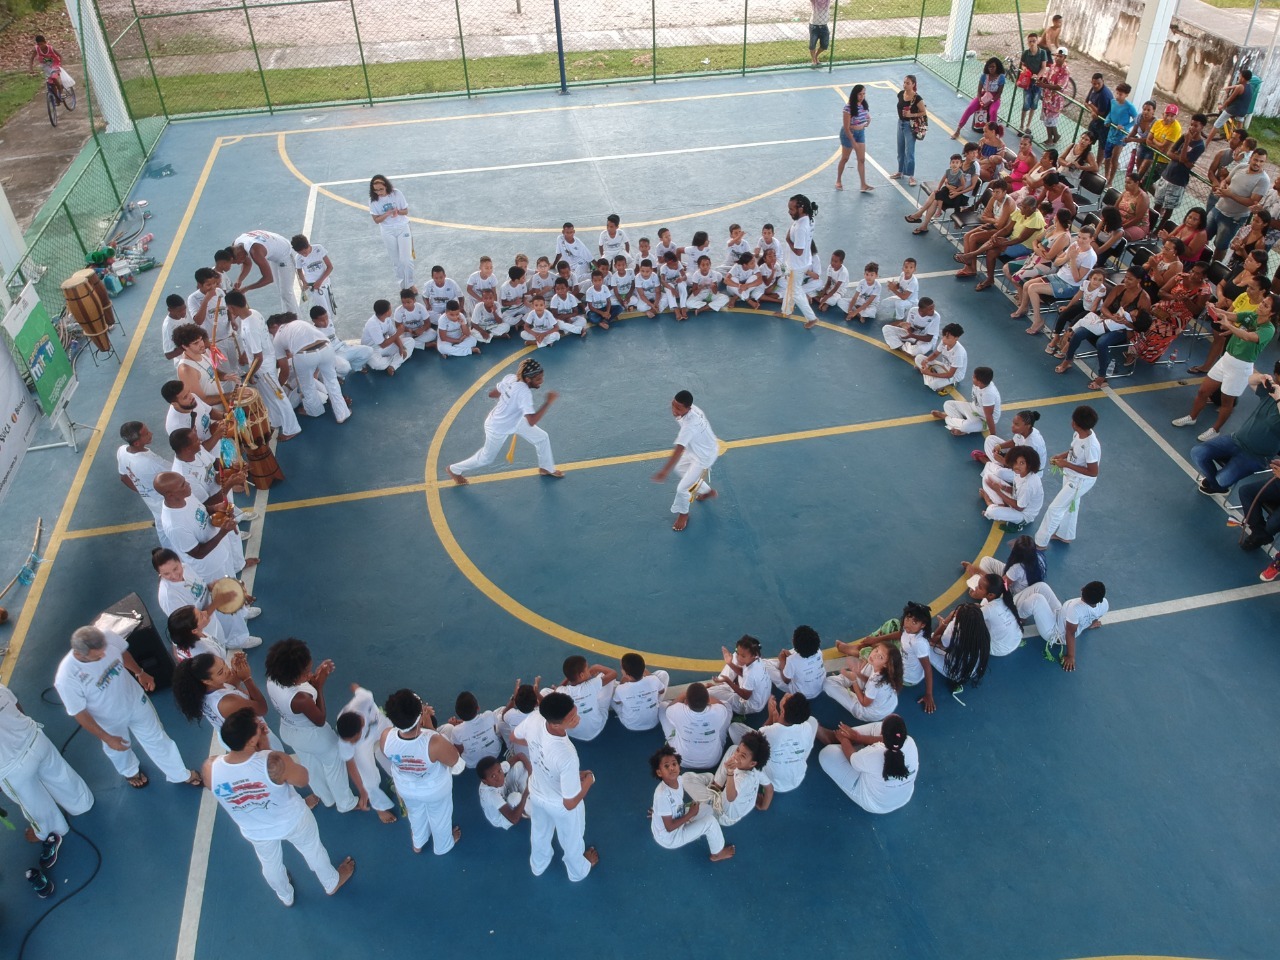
138, 466
102, 688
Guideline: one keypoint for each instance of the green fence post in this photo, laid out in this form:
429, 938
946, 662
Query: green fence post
355, 22
745, 7
84, 251
257, 59
920, 28
1017, 12
831, 50
964, 53
466, 76
653, 33
151, 66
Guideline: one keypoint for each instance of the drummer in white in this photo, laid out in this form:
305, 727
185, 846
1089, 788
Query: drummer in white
696, 450
259, 347
272, 254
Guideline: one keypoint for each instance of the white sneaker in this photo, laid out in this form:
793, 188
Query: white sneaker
1184, 422
248, 644
245, 516
1207, 435
251, 612
245, 534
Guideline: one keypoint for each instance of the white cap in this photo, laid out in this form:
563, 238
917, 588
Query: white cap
1061, 51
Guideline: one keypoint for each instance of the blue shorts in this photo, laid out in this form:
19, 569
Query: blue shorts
1061, 289
1110, 147
859, 136
1031, 97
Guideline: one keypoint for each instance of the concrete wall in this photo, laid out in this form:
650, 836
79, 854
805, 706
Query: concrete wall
1196, 64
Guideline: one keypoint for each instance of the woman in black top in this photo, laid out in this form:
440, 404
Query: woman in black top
910, 107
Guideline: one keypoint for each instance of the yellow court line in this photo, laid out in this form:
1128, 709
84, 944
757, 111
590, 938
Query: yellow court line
43, 570
564, 108
374, 494
107, 531
484, 228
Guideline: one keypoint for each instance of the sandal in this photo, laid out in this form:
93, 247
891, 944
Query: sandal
137, 781
1197, 370
868, 188
983, 284
912, 218
195, 780
919, 230
895, 176
1097, 383
839, 185
1063, 367
911, 182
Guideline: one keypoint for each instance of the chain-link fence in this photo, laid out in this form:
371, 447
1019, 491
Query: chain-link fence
87, 202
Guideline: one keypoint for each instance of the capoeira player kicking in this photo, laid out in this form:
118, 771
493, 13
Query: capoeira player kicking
513, 414
696, 450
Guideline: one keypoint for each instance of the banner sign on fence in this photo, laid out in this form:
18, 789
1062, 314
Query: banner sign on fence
18, 408
37, 349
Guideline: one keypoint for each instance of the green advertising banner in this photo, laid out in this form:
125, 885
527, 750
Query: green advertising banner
36, 348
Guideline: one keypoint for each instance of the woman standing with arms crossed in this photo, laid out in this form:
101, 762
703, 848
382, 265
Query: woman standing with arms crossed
853, 135
910, 107
390, 212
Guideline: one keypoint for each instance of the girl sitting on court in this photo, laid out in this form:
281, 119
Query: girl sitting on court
869, 690
743, 685
947, 364
995, 450
675, 823
910, 633
1024, 566
1018, 501
961, 652
874, 764
998, 611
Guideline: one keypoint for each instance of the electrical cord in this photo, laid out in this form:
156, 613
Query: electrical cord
93, 846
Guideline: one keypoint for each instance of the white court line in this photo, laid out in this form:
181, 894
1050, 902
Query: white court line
1183, 464
558, 163
197, 872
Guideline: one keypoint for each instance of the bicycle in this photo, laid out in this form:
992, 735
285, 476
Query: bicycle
55, 95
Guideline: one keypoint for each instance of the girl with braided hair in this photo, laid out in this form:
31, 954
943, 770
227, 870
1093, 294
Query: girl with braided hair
513, 414
874, 764
798, 249
961, 646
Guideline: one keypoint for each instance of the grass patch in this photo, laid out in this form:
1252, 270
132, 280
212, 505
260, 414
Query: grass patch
887, 9
16, 91
1267, 130
1237, 4
210, 92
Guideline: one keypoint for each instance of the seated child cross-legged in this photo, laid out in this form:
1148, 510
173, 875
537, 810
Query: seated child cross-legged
504, 790
867, 690
675, 823
910, 633
743, 684
800, 669
739, 784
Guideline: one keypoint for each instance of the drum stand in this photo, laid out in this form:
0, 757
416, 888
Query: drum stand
96, 353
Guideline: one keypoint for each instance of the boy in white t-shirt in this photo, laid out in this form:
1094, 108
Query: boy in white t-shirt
513, 296
980, 412
675, 823
743, 683
664, 247
621, 279
359, 727
703, 288
571, 250
455, 338
439, 291
791, 733
643, 252
415, 320
648, 290
543, 281
523, 702
744, 282
1062, 623
567, 310
675, 291
916, 334
486, 321
480, 281
739, 785
774, 277
947, 364
833, 283
472, 730
697, 726
591, 687
637, 695
904, 290
314, 270
801, 668
175, 316
860, 301
613, 240
504, 790
385, 337
768, 241
540, 326
601, 305
736, 246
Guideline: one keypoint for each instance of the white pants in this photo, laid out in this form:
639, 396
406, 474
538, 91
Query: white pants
42, 784
839, 689
399, 243
235, 628
462, 349
547, 341
286, 280
837, 766
323, 298
305, 367
1064, 511
355, 356
155, 506
801, 294
305, 838
486, 334
667, 301
1038, 602
148, 733
895, 337
317, 750
389, 356
962, 415
901, 307
494, 442
279, 410
432, 816
707, 298
933, 383
578, 325
704, 823
698, 786
367, 760
568, 826
421, 339
754, 292
512, 316
691, 485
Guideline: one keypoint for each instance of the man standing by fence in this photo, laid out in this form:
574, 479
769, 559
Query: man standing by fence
819, 32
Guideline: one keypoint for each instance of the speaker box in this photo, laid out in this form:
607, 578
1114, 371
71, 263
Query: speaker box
153, 652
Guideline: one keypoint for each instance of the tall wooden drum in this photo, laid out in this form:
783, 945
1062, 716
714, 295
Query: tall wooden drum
90, 306
257, 427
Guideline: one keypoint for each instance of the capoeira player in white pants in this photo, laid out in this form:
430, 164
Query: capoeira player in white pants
101, 687
34, 775
360, 726
423, 765
314, 269
273, 255
310, 352
513, 414
918, 332
696, 450
257, 786
675, 823
390, 211
557, 787
798, 245
260, 346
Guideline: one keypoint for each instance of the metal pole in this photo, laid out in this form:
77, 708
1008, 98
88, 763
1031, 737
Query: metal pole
831, 50
355, 22
564, 83
746, 4
1252, 20
84, 251
964, 53
146, 52
462, 46
653, 33
257, 59
115, 68
919, 27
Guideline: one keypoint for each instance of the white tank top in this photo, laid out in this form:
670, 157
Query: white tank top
261, 809
282, 699
414, 772
209, 709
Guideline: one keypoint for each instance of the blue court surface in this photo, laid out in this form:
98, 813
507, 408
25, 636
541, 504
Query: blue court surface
1124, 809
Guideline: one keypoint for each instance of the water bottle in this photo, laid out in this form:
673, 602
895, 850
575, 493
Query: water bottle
42, 884
1173, 356
1111, 369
